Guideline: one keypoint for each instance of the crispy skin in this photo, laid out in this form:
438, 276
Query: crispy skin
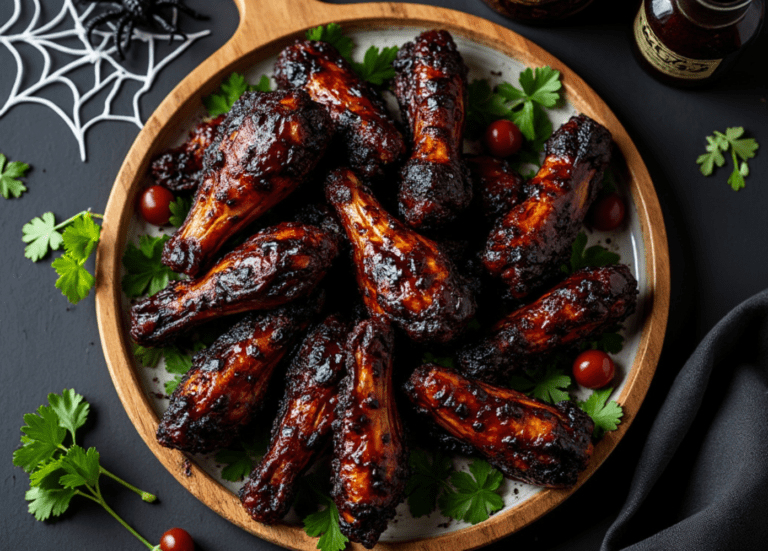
370, 462
586, 303
275, 266
527, 245
524, 438
403, 276
265, 148
227, 383
180, 169
431, 88
303, 425
499, 186
364, 130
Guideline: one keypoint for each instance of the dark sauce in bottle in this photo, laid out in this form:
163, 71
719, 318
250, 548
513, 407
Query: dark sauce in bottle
693, 42
537, 11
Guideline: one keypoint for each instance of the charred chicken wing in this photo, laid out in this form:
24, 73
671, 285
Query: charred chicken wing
586, 303
265, 148
303, 424
227, 383
180, 169
370, 464
535, 237
525, 439
275, 266
403, 276
499, 186
364, 130
431, 88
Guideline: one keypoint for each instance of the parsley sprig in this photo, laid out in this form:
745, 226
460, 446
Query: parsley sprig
222, 100
333, 35
428, 480
179, 208
240, 461
525, 106
606, 415
80, 236
741, 148
325, 521
595, 256
10, 185
145, 273
548, 384
58, 468
475, 495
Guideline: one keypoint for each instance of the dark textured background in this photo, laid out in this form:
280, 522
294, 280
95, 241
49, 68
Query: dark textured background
717, 239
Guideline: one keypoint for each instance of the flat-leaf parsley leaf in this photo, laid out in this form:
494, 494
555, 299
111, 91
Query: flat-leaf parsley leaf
221, 101
427, 481
593, 257
741, 149
475, 495
377, 67
606, 416
145, 273
10, 185
548, 384
333, 35
325, 523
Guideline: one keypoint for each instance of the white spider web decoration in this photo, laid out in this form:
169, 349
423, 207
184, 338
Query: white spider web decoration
108, 73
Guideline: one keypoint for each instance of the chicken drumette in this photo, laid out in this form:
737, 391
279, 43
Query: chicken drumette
365, 132
303, 425
264, 149
403, 276
227, 383
525, 439
431, 88
370, 461
275, 266
529, 243
586, 303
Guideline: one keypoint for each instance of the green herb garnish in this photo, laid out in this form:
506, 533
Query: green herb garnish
741, 148
606, 416
10, 185
475, 495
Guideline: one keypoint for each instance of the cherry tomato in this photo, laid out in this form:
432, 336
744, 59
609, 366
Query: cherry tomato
503, 138
608, 212
154, 205
177, 539
593, 369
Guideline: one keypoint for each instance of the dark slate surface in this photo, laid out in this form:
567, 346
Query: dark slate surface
717, 241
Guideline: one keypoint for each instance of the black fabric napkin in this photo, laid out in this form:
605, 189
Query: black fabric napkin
717, 408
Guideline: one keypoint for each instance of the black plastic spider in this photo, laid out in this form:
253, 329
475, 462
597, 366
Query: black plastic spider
144, 13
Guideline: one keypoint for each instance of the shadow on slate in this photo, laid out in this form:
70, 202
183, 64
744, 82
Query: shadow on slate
718, 409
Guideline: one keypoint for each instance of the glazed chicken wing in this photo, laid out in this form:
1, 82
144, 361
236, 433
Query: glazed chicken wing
403, 276
303, 425
180, 169
534, 238
586, 303
228, 381
275, 266
264, 149
370, 464
525, 439
364, 130
499, 186
431, 88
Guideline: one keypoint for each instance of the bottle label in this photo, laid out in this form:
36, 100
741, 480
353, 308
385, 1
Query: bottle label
664, 59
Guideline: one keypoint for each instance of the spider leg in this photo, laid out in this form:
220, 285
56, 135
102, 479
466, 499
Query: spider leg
129, 35
172, 29
91, 25
182, 8
119, 36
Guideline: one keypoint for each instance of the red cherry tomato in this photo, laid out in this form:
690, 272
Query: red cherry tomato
593, 369
503, 138
608, 212
154, 205
177, 539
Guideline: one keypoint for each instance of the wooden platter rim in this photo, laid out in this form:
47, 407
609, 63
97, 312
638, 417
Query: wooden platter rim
263, 30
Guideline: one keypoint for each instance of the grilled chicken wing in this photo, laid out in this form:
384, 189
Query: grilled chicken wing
227, 383
265, 148
275, 266
588, 302
370, 463
180, 169
365, 131
499, 186
403, 276
303, 424
525, 439
532, 239
431, 87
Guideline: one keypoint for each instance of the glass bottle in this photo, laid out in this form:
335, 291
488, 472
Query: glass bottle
692, 42
537, 11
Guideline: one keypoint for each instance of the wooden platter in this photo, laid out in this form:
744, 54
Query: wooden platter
265, 28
